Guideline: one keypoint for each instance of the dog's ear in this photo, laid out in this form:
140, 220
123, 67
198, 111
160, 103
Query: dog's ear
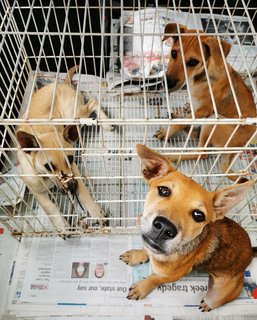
153, 164
171, 28
226, 199
212, 47
27, 140
70, 133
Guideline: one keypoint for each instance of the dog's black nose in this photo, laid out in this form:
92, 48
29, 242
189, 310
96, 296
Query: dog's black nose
163, 229
171, 82
72, 186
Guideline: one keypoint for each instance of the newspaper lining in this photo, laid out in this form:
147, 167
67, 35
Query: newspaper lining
85, 276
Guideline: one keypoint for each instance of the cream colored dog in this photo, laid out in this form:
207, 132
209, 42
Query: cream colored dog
184, 227
50, 142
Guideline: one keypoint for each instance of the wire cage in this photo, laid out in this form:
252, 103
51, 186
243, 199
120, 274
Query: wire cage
122, 63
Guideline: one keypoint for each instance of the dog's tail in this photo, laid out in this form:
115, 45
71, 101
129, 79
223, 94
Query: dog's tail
70, 74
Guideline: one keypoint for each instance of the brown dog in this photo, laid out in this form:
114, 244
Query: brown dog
183, 228
200, 92
48, 158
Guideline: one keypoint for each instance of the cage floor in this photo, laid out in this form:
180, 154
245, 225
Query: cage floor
111, 169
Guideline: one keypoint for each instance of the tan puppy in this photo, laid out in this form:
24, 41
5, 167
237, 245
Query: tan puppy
183, 228
60, 164
201, 97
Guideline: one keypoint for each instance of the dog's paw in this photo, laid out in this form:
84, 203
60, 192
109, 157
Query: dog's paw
96, 214
85, 223
134, 257
177, 115
63, 232
138, 290
92, 102
160, 134
187, 108
204, 306
108, 127
104, 220
101, 221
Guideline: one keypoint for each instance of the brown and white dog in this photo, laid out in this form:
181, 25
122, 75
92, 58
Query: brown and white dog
50, 157
201, 97
183, 228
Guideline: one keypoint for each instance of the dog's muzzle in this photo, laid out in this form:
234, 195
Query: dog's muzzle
172, 83
161, 231
68, 182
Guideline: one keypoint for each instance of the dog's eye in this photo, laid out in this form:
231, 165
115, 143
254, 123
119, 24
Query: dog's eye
198, 215
48, 167
174, 54
192, 62
164, 191
71, 159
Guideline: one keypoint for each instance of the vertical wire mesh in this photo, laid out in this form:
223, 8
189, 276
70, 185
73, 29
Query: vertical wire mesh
120, 66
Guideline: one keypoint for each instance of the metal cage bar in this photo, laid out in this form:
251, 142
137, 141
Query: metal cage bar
121, 64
